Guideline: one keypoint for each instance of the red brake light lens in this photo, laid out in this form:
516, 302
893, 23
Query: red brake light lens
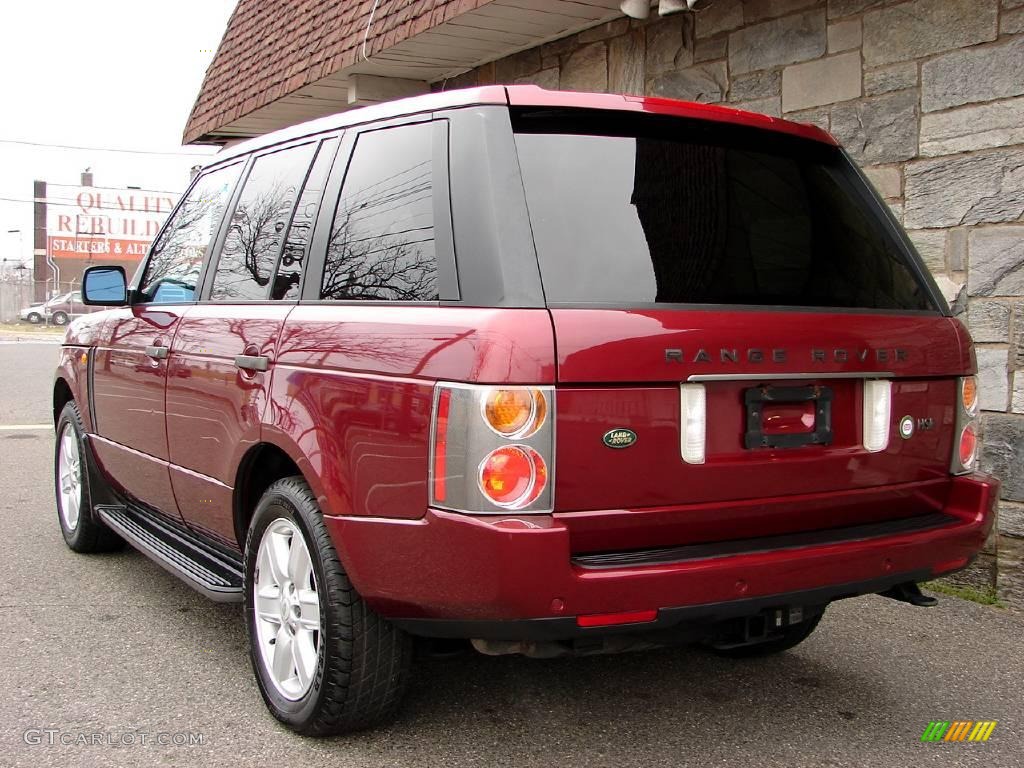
968, 446
444, 403
513, 476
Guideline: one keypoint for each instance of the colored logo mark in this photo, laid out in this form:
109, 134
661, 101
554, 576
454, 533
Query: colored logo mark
959, 730
619, 438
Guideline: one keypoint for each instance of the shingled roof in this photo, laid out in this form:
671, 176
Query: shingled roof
282, 63
271, 49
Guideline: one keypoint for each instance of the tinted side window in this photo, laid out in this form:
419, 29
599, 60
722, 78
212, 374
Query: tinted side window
289, 270
177, 256
258, 224
382, 239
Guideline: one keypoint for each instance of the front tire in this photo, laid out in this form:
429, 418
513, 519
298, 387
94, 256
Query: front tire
325, 663
83, 531
35, 318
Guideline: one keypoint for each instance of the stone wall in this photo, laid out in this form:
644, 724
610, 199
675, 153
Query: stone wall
927, 95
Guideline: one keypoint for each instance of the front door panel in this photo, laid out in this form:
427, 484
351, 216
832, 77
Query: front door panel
129, 381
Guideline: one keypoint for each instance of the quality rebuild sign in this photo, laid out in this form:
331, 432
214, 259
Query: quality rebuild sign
103, 224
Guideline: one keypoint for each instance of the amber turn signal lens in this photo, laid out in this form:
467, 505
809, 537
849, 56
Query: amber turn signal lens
513, 476
969, 394
968, 446
515, 412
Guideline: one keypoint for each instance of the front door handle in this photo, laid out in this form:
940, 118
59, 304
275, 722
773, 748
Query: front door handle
252, 362
157, 353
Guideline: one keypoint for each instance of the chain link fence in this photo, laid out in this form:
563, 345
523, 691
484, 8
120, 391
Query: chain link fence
17, 292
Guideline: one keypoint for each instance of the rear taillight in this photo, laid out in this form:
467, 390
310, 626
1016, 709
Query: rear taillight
965, 443
492, 448
513, 476
877, 415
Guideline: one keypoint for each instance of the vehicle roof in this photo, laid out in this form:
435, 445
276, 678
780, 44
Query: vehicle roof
527, 96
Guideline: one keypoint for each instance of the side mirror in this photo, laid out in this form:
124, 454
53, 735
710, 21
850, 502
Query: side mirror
104, 287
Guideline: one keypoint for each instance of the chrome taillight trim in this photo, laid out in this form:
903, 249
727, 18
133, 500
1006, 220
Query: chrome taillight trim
964, 419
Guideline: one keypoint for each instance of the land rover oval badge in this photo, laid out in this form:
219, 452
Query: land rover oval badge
619, 438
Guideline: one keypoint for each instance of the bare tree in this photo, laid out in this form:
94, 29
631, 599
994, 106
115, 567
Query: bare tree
378, 248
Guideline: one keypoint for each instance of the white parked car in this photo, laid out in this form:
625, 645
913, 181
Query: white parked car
33, 312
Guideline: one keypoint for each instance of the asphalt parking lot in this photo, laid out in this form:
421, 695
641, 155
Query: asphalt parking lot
112, 645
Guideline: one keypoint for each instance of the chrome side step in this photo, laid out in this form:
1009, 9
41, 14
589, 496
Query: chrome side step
216, 574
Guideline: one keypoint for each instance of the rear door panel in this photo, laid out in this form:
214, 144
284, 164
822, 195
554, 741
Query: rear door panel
214, 408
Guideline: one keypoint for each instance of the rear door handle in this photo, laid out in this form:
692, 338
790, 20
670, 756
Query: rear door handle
252, 362
157, 353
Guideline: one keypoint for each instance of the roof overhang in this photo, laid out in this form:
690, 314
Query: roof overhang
412, 65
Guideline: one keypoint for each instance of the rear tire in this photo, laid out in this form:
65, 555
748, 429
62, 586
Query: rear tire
325, 663
83, 531
59, 318
787, 638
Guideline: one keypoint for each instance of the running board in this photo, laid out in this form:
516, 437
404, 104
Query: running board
177, 550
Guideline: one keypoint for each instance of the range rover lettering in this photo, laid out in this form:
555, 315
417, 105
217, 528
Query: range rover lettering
544, 373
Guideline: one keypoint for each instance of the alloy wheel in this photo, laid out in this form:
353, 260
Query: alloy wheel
69, 475
287, 609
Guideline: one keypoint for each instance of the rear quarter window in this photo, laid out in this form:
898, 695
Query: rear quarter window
645, 211
382, 242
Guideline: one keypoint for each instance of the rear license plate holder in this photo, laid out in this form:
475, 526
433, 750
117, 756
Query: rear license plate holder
820, 397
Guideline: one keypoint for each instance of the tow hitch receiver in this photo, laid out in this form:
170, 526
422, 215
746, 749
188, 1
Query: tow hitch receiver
757, 629
909, 592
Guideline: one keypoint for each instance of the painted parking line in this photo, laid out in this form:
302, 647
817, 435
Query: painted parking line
24, 427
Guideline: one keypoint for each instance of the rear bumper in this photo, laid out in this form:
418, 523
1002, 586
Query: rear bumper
455, 575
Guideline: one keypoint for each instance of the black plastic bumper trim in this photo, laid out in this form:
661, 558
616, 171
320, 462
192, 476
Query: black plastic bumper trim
566, 628
667, 555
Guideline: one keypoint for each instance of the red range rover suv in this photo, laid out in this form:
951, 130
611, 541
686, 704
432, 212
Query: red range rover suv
547, 372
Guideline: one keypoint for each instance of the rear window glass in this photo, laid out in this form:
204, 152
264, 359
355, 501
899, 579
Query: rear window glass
645, 211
